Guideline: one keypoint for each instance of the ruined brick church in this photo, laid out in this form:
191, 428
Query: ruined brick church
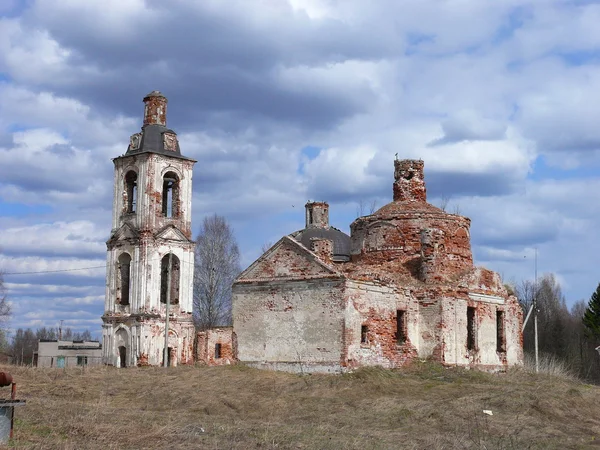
401, 286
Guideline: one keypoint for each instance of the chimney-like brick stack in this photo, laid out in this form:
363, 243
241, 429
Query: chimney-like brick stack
317, 215
155, 112
409, 184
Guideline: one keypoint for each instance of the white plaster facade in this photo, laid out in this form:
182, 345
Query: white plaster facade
151, 220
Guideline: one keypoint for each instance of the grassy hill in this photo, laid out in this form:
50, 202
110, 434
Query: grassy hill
426, 406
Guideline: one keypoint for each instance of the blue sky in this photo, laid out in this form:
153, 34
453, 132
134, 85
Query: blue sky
287, 101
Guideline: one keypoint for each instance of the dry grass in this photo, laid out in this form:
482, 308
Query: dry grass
234, 407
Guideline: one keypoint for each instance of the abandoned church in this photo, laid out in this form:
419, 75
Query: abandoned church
402, 286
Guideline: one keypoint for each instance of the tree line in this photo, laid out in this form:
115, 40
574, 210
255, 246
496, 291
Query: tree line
568, 335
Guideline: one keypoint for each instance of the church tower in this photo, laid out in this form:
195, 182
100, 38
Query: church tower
150, 252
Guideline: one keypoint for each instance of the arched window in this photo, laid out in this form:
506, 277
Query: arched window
170, 195
164, 279
123, 279
130, 191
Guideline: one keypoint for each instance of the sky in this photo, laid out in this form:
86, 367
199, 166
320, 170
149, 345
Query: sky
285, 101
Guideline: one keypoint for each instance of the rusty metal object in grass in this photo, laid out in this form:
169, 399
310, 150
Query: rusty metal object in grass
6, 379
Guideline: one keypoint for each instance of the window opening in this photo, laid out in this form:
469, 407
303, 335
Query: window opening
400, 326
364, 331
131, 191
124, 281
217, 351
500, 339
170, 196
470, 328
310, 216
164, 278
82, 360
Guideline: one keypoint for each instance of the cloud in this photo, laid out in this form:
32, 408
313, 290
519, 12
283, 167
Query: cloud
79, 238
483, 93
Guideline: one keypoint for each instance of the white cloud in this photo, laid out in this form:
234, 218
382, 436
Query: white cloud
481, 92
57, 239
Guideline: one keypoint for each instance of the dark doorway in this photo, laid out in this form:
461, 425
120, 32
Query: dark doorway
122, 356
169, 357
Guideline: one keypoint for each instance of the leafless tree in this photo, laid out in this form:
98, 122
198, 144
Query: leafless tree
5, 309
444, 202
217, 264
373, 206
5, 312
266, 246
361, 207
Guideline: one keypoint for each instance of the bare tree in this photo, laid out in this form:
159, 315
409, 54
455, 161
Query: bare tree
217, 264
266, 246
5, 309
444, 201
5, 312
361, 207
373, 206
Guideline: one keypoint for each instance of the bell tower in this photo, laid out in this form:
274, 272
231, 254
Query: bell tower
150, 253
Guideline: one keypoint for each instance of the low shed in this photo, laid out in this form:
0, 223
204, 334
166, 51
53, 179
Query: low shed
55, 353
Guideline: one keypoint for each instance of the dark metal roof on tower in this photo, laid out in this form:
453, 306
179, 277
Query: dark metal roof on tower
155, 137
341, 241
317, 226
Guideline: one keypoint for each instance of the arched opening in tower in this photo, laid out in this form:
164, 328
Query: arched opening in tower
173, 289
124, 279
170, 195
130, 191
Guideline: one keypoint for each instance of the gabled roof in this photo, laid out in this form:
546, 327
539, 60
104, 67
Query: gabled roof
288, 260
125, 232
171, 233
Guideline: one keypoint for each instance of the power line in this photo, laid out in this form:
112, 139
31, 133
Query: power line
53, 271
81, 268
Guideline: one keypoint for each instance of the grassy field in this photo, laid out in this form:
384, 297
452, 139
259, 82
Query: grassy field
426, 406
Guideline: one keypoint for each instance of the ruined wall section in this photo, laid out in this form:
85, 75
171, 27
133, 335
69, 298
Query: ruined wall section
215, 347
143, 338
294, 326
371, 331
496, 328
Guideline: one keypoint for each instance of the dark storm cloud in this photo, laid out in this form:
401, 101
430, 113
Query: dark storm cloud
214, 61
501, 237
456, 184
439, 184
